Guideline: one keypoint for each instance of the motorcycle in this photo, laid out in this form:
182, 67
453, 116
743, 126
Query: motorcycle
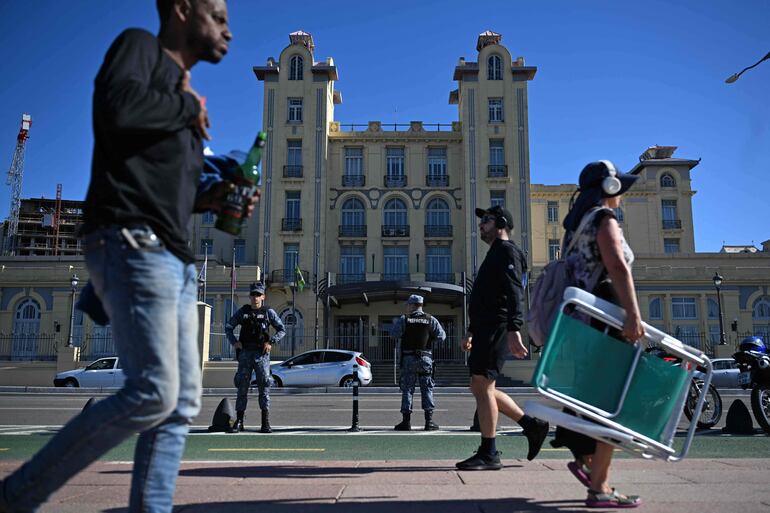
754, 364
711, 412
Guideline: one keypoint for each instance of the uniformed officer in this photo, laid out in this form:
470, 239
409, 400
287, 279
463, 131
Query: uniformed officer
416, 332
252, 350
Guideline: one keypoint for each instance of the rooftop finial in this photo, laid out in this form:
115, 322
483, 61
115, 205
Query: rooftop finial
487, 38
303, 38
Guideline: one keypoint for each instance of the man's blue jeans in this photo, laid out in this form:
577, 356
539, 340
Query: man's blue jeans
150, 297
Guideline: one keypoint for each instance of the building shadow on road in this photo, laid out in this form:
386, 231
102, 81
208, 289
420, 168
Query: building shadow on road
379, 505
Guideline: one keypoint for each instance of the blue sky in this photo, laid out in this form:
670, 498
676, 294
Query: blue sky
613, 78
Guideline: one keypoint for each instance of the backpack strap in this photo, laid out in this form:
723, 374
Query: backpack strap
583, 223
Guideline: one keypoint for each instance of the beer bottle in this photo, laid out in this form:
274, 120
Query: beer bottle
246, 178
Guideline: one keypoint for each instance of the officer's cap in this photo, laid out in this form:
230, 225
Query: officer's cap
414, 299
257, 289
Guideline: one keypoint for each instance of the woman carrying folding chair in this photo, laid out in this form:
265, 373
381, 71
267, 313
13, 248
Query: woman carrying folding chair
599, 261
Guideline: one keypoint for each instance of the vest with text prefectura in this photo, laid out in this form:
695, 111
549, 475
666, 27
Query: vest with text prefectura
254, 329
416, 332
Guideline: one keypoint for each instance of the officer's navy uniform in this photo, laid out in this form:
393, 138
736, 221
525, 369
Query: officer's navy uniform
254, 333
417, 331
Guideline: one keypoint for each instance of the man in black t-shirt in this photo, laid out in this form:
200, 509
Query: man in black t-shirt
148, 124
495, 312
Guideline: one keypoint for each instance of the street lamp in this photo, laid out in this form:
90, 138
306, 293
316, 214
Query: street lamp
74, 282
735, 76
717, 282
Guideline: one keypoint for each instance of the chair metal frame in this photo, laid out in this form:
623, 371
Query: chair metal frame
598, 423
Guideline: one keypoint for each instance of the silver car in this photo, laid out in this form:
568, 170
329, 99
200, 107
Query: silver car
103, 373
725, 373
322, 367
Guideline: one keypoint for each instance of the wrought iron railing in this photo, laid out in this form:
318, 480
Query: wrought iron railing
292, 171
287, 277
353, 180
345, 278
352, 230
291, 224
395, 230
437, 180
438, 230
394, 181
672, 224
497, 171
28, 347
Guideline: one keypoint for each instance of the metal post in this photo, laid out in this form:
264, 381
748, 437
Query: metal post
722, 340
315, 332
465, 311
74, 284
293, 315
355, 427
327, 307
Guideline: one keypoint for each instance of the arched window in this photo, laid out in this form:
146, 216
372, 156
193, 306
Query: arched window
354, 215
666, 180
294, 323
395, 213
656, 312
761, 310
437, 213
713, 308
494, 68
26, 329
295, 68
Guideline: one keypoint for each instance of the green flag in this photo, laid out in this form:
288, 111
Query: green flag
299, 279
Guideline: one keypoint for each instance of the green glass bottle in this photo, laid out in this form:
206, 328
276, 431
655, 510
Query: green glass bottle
246, 179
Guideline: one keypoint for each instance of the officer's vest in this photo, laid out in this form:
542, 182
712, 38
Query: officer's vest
253, 328
416, 332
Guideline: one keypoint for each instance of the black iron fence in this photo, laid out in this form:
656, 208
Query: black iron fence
95, 346
28, 347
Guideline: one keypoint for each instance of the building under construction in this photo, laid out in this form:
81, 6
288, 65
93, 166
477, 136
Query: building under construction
45, 230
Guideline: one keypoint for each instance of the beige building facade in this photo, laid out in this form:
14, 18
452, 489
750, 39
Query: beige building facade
371, 213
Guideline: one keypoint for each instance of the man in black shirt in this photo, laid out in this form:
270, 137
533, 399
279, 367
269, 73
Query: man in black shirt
148, 124
495, 320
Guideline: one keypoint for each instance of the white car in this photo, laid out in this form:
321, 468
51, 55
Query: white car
322, 367
103, 373
726, 373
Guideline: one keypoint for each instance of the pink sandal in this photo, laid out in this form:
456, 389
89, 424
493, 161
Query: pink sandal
611, 500
580, 472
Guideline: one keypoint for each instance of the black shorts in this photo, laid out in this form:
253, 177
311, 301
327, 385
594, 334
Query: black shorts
488, 351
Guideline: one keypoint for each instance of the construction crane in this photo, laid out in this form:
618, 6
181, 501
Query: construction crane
15, 178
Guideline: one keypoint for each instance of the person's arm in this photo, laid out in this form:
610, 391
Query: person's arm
513, 290
275, 322
438, 332
124, 98
397, 330
610, 242
234, 321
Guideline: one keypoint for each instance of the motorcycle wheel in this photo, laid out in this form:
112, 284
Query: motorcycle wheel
712, 406
760, 405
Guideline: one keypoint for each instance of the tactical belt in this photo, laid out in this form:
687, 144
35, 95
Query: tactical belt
418, 352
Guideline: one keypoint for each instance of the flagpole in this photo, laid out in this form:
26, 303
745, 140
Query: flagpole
232, 285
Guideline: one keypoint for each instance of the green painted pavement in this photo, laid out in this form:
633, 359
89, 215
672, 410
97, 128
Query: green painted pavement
372, 447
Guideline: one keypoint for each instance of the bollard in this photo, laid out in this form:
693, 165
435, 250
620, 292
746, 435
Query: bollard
355, 427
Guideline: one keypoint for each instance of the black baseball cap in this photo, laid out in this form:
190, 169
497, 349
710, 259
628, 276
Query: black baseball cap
594, 174
499, 213
257, 289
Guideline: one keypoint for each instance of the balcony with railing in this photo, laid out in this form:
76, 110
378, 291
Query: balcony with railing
497, 171
437, 180
353, 180
287, 277
440, 277
395, 230
352, 230
672, 224
346, 278
291, 224
438, 230
393, 276
292, 171
394, 181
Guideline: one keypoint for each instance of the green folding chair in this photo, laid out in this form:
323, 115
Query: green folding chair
623, 396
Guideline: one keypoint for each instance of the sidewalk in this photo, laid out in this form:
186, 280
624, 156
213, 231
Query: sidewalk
694, 485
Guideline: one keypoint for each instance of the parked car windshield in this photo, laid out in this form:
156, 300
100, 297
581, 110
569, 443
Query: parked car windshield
107, 363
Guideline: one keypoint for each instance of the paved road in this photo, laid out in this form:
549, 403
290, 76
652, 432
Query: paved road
377, 410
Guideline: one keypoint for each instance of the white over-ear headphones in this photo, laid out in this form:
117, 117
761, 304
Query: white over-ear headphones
610, 185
